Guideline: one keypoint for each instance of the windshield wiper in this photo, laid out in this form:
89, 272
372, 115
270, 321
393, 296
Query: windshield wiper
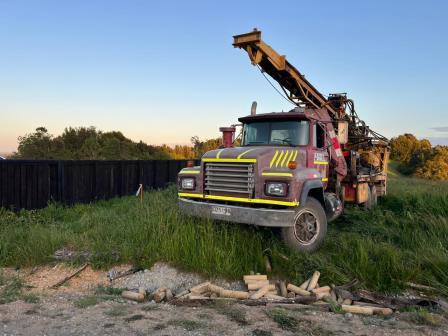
285, 141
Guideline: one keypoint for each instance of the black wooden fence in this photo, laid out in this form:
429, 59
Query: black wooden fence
31, 184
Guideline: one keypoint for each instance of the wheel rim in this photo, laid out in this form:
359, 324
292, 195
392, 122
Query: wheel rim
306, 227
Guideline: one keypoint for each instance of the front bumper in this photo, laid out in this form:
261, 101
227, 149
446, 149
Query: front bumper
238, 214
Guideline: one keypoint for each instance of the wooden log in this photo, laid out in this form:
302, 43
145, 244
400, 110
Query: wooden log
305, 284
257, 285
324, 289
382, 311
159, 294
256, 277
297, 290
197, 297
139, 297
313, 281
347, 302
79, 270
234, 294
283, 290
215, 289
181, 294
320, 296
261, 292
267, 264
357, 309
201, 288
291, 295
168, 294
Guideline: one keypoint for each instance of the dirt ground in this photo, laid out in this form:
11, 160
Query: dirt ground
79, 308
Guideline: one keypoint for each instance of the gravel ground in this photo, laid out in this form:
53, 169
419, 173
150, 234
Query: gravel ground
163, 275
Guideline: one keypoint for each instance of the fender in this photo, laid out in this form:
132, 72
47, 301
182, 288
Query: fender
310, 185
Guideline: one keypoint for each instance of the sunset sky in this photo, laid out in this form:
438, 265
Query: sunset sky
163, 71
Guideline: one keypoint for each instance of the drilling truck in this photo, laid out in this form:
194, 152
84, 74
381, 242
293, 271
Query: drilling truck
291, 170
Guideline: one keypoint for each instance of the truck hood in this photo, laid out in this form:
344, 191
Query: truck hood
273, 157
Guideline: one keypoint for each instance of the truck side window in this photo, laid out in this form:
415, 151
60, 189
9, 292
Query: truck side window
318, 136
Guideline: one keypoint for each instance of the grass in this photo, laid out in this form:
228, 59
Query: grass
188, 325
231, 311
404, 239
286, 321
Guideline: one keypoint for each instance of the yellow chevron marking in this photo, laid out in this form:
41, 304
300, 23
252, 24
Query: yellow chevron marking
295, 155
239, 156
320, 162
279, 158
284, 159
324, 179
190, 195
219, 153
273, 159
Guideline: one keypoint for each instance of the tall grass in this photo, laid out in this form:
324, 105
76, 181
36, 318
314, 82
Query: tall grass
404, 239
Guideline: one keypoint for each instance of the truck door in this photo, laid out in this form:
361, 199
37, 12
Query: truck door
320, 160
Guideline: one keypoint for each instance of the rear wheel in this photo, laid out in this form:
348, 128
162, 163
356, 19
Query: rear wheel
309, 229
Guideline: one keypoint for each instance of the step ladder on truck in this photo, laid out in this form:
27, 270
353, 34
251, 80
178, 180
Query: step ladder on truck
294, 170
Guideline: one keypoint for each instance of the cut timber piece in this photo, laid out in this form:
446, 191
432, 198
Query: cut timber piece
367, 304
168, 294
357, 309
159, 294
297, 290
320, 296
291, 295
139, 297
197, 297
261, 292
234, 294
324, 289
283, 290
201, 288
305, 284
313, 281
347, 302
215, 289
257, 277
181, 294
382, 311
257, 285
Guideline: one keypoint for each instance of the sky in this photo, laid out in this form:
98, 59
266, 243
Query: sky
164, 71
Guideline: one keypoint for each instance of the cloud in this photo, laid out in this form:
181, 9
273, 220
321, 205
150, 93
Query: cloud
439, 141
440, 129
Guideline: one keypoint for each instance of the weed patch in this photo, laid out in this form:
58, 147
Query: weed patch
232, 312
188, 325
87, 301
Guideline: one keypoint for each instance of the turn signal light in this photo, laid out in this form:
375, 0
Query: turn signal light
190, 163
292, 164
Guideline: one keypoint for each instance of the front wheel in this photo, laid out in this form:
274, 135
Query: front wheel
309, 229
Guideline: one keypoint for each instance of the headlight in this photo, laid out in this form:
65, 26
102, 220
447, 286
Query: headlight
276, 189
187, 183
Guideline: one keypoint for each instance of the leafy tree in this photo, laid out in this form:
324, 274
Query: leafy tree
37, 145
201, 147
435, 168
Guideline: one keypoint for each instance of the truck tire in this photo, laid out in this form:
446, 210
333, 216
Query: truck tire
309, 229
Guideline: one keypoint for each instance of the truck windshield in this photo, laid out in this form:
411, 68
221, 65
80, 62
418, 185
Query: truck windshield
286, 133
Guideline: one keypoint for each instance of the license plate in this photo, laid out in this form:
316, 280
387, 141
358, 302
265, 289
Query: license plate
221, 210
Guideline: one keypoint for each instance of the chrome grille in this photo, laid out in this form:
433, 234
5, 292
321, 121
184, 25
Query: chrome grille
235, 178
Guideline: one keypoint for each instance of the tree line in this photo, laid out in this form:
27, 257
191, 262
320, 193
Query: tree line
88, 143
419, 157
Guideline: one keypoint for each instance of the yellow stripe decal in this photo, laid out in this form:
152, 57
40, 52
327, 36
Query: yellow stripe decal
190, 172
290, 156
320, 162
324, 179
190, 195
295, 155
284, 159
239, 156
276, 174
238, 199
273, 159
279, 159
219, 153
230, 160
